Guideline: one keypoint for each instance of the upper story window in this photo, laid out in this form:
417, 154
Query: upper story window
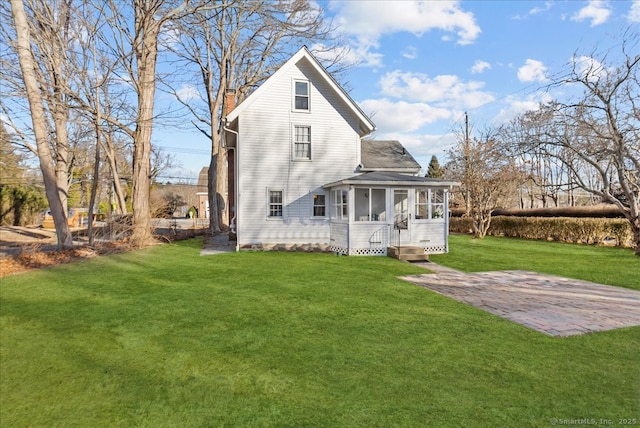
302, 142
301, 95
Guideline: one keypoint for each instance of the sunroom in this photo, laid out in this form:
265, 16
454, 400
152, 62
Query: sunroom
377, 212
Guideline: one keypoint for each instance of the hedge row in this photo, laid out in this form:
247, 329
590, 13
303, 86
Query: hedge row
564, 229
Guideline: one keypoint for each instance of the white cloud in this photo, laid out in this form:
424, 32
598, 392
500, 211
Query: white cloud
169, 38
634, 12
410, 52
187, 92
480, 67
423, 146
537, 10
597, 11
398, 117
532, 71
329, 54
588, 67
445, 90
516, 106
368, 21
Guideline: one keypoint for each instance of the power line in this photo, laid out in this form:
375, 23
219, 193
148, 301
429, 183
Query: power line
185, 150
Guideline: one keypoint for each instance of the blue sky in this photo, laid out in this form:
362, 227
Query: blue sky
423, 64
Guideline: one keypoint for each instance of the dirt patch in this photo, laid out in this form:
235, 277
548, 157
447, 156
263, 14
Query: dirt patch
27, 248
33, 259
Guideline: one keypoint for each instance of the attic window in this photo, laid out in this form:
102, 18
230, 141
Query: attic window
301, 89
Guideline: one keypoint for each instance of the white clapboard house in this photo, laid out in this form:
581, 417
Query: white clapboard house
303, 174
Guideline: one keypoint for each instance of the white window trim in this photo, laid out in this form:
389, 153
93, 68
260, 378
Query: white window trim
293, 100
268, 196
430, 205
326, 206
293, 143
369, 191
333, 205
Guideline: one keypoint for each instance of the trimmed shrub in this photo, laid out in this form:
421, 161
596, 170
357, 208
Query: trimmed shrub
596, 231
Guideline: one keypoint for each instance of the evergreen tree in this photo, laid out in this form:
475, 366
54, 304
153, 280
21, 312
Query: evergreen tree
434, 170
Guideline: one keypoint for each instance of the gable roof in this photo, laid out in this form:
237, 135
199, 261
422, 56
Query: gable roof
386, 155
381, 178
366, 125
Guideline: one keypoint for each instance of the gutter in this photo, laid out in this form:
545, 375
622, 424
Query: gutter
232, 226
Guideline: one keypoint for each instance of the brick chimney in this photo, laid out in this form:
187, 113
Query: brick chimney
229, 102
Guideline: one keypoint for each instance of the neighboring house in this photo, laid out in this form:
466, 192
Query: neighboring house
203, 193
301, 173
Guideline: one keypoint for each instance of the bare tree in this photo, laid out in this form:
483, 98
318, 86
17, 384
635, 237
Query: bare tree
488, 176
136, 52
44, 82
233, 49
597, 136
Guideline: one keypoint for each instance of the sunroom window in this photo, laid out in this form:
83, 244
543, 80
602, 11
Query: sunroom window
437, 203
429, 204
339, 204
370, 204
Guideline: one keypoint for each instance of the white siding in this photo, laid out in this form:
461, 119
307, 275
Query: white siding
265, 159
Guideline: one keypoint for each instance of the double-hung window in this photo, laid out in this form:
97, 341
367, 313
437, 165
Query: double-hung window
319, 205
275, 203
302, 142
301, 95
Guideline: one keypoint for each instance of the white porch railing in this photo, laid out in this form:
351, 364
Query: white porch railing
380, 238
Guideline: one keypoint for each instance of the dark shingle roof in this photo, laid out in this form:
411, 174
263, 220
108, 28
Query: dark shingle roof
392, 179
387, 155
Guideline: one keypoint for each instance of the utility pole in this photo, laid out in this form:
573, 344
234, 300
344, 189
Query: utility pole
467, 200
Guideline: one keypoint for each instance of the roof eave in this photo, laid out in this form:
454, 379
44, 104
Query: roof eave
350, 182
411, 170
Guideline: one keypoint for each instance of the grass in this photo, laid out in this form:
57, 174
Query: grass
603, 265
165, 337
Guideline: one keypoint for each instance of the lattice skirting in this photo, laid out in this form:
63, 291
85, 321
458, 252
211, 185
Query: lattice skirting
436, 249
338, 250
376, 251
358, 251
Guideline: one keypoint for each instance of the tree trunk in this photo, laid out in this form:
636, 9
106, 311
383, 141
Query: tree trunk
58, 209
221, 183
635, 227
212, 176
94, 190
146, 55
113, 166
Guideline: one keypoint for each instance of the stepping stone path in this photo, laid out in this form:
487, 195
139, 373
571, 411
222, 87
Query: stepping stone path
553, 305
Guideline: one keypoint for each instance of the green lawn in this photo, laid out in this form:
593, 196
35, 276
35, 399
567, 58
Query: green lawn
164, 337
604, 265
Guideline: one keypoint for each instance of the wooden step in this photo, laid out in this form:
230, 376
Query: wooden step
407, 253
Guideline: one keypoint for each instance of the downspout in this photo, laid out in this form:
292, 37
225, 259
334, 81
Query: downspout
235, 179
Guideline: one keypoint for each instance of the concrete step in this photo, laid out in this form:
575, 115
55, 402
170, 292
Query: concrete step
406, 253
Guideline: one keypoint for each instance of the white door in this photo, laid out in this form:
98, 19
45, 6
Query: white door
401, 218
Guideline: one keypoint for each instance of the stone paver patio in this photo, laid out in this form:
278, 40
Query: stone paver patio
553, 305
